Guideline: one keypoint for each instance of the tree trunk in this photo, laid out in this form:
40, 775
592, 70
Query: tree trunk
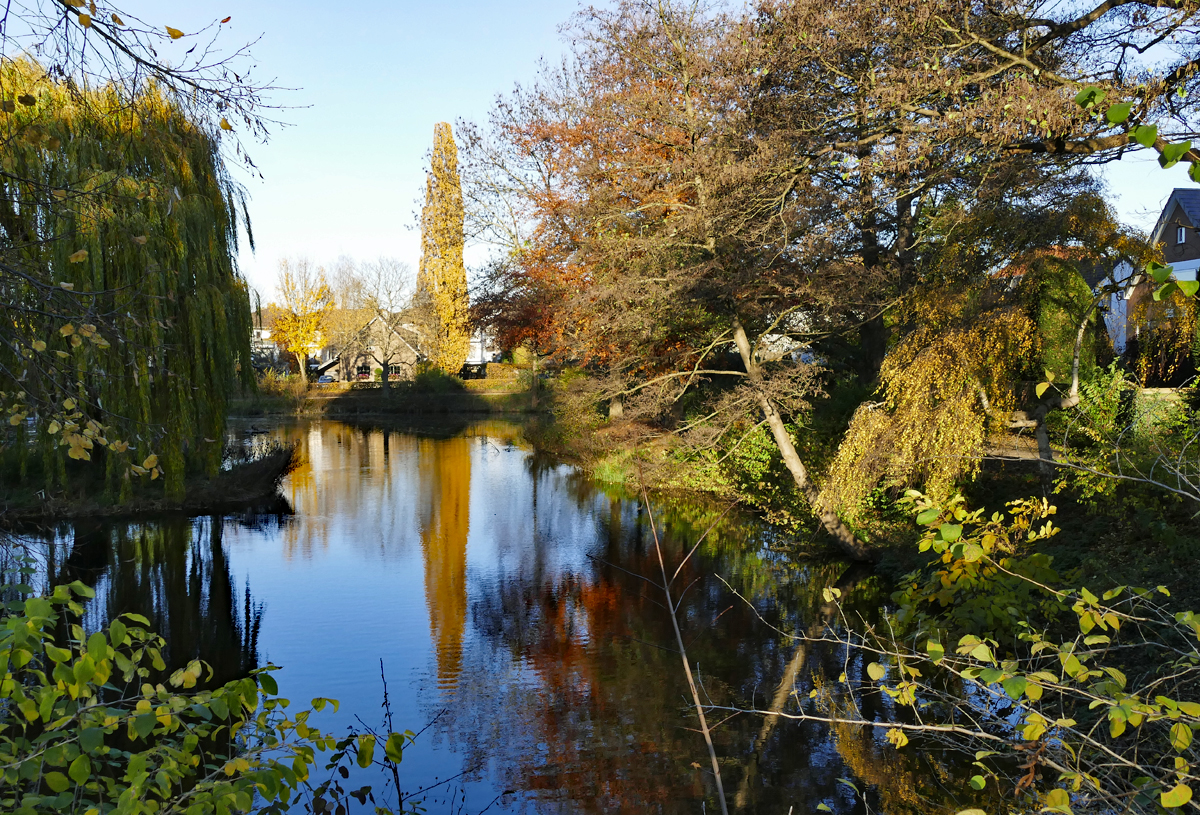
842, 536
302, 363
383, 379
616, 408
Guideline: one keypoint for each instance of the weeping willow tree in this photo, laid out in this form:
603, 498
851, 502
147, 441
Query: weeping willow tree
126, 322
943, 388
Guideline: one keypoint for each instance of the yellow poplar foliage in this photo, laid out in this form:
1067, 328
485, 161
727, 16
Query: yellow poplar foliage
442, 279
941, 387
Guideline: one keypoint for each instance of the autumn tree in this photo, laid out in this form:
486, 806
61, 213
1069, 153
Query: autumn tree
803, 172
384, 302
442, 277
304, 299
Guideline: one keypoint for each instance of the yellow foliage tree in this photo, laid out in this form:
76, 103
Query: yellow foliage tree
305, 301
442, 279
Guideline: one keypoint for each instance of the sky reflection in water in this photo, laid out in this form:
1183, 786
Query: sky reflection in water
501, 593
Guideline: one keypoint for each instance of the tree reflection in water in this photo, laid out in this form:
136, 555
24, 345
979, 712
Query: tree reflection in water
175, 572
445, 465
553, 660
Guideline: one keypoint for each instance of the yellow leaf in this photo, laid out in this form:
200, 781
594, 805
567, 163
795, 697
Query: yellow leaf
1041, 388
62, 354
141, 239
39, 346
79, 453
15, 419
79, 257
117, 20
53, 428
1177, 796
85, 20
69, 404
174, 32
154, 474
151, 462
225, 125
67, 286
92, 7
74, 3
67, 330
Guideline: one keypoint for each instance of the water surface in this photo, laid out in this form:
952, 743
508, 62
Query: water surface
511, 605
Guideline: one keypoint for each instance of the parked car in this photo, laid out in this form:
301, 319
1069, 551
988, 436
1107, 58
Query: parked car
325, 380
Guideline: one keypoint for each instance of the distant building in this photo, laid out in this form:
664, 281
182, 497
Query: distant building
366, 350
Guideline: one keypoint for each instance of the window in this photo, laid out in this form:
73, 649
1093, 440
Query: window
363, 370
1181, 235
393, 370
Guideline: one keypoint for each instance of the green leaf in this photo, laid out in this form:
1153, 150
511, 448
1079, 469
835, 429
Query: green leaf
1158, 271
1190, 708
972, 552
91, 739
97, 647
1181, 736
950, 532
1089, 97
1172, 153
1145, 135
876, 671
57, 654
978, 782
1014, 686
143, 725
935, 650
366, 750
57, 781
1189, 287
1163, 292
1118, 113
268, 684
393, 748
1194, 172
117, 630
824, 808
1177, 796
928, 516
80, 770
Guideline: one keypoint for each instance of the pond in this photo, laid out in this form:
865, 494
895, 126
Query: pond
511, 605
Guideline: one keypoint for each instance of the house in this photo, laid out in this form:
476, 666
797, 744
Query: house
1177, 233
366, 351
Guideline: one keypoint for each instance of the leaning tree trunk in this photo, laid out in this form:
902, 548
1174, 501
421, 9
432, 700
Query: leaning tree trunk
842, 536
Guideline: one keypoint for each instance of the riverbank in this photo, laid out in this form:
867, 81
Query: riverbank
398, 399
248, 485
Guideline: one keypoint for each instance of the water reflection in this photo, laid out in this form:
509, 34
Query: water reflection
507, 599
445, 469
173, 572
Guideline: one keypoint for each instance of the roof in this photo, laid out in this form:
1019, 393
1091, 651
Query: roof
1188, 199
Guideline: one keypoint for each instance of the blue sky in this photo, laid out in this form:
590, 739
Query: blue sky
371, 79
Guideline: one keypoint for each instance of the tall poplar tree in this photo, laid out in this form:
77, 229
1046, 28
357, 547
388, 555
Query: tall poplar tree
442, 279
